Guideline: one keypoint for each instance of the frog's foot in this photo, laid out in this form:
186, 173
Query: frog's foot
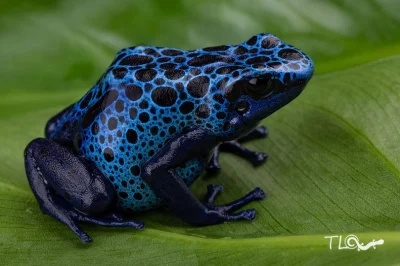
235, 147
65, 213
70, 188
214, 190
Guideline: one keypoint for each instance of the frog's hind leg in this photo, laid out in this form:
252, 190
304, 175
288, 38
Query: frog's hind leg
235, 147
54, 121
70, 188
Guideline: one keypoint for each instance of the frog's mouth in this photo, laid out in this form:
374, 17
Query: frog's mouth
266, 86
263, 87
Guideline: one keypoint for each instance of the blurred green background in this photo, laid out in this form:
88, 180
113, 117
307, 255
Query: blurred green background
333, 168
59, 45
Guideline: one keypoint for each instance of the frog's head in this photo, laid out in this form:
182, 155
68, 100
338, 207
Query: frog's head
266, 75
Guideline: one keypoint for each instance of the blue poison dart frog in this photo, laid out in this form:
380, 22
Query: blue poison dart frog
153, 122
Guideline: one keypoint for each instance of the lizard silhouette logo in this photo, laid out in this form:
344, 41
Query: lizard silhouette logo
352, 242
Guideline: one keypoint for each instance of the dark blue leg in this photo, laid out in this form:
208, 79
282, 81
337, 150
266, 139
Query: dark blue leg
213, 165
52, 123
214, 190
258, 133
256, 158
212, 193
159, 174
235, 147
70, 188
114, 216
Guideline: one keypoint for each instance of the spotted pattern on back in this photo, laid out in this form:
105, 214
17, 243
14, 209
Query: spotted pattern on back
148, 95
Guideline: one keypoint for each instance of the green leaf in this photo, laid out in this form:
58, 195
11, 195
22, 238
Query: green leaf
333, 166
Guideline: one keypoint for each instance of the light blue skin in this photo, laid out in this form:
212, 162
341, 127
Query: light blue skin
152, 98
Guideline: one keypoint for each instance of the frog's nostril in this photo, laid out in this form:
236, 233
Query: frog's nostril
299, 82
310, 69
304, 77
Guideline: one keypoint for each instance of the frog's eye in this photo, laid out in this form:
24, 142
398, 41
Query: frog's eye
260, 87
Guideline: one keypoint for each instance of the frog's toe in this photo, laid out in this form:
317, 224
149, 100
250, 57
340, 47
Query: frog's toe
107, 221
86, 239
248, 215
256, 194
64, 215
259, 193
226, 211
214, 190
256, 158
110, 223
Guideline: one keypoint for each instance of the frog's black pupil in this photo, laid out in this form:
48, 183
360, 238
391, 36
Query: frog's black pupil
263, 87
264, 84
262, 81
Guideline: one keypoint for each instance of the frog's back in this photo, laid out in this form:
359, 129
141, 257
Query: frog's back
146, 97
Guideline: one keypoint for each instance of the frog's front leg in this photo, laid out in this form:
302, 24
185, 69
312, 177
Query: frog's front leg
235, 147
70, 188
160, 175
